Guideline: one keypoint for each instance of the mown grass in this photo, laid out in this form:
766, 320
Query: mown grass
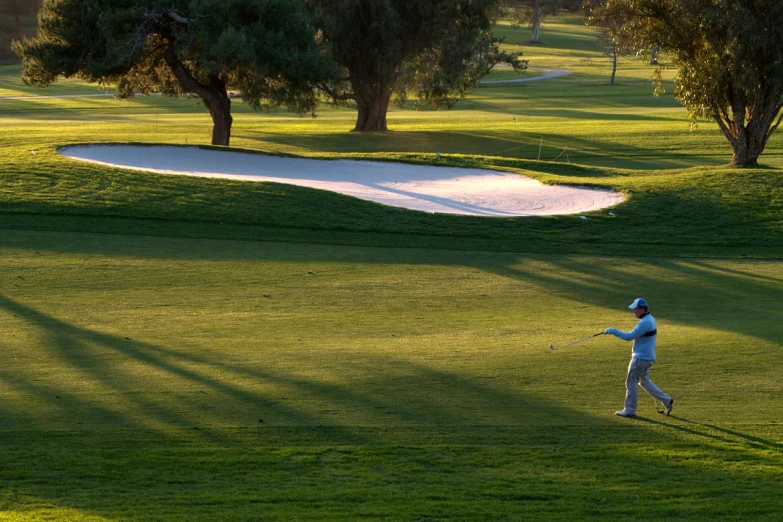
706, 210
12, 85
176, 378
187, 349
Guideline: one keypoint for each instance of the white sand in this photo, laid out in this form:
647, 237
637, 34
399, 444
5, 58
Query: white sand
427, 188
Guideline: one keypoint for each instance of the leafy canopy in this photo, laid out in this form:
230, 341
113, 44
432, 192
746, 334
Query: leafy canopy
432, 50
264, 48
729, 55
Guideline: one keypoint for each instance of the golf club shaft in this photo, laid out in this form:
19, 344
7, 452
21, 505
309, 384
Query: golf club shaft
580, 340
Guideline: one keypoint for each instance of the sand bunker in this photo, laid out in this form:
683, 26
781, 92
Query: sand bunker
444, 190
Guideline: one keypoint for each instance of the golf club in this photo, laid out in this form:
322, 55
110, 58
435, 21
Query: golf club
552, 347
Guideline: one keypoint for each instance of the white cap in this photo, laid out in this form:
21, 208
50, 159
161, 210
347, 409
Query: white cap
637, 303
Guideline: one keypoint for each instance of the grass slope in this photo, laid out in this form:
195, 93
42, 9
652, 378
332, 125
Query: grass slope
617, 137
702, 211
156, 378
162, 363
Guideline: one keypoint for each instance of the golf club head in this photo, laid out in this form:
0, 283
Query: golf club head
551, 347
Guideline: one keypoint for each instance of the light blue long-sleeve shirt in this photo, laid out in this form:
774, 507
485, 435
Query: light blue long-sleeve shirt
643, 345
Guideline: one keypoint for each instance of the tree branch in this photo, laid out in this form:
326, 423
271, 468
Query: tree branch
337, 96
724, 125
756, 117
171, 13
774, 127
183, 75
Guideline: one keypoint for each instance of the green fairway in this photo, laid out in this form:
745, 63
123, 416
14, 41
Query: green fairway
198, 349
169, 377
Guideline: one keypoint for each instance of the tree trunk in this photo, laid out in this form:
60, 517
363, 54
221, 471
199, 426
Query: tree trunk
614, 64
214, 95
538, 15
372, 113
748, 127
747, 146
742, 157
219, 107
654, 56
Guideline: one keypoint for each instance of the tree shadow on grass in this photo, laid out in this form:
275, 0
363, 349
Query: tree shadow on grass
84, 351
508, 144
738, 301
103, 380
451, 442
571, 114
81, 350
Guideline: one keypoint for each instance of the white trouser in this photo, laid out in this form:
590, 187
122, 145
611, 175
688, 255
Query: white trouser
638, 375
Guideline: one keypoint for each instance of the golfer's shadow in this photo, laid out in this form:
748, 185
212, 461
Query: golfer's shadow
723, 435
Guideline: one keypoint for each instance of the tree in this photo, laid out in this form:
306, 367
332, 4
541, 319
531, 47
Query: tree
613, 46
729, 55
534, 11
433, 50
263, 48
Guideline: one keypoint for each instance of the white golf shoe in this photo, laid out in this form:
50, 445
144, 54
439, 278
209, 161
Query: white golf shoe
625, 413
669, 407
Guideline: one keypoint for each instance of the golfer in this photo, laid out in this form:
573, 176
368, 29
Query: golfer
643, 337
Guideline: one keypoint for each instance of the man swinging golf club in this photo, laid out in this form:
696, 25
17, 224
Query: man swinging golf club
643, 337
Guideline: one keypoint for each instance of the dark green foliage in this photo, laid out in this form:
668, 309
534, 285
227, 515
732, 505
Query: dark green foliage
729, 54
263, 48
433, 50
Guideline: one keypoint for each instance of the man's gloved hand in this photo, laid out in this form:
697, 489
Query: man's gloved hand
609, 331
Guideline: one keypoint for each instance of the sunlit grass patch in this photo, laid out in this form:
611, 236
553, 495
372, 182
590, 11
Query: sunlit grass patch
164, 377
